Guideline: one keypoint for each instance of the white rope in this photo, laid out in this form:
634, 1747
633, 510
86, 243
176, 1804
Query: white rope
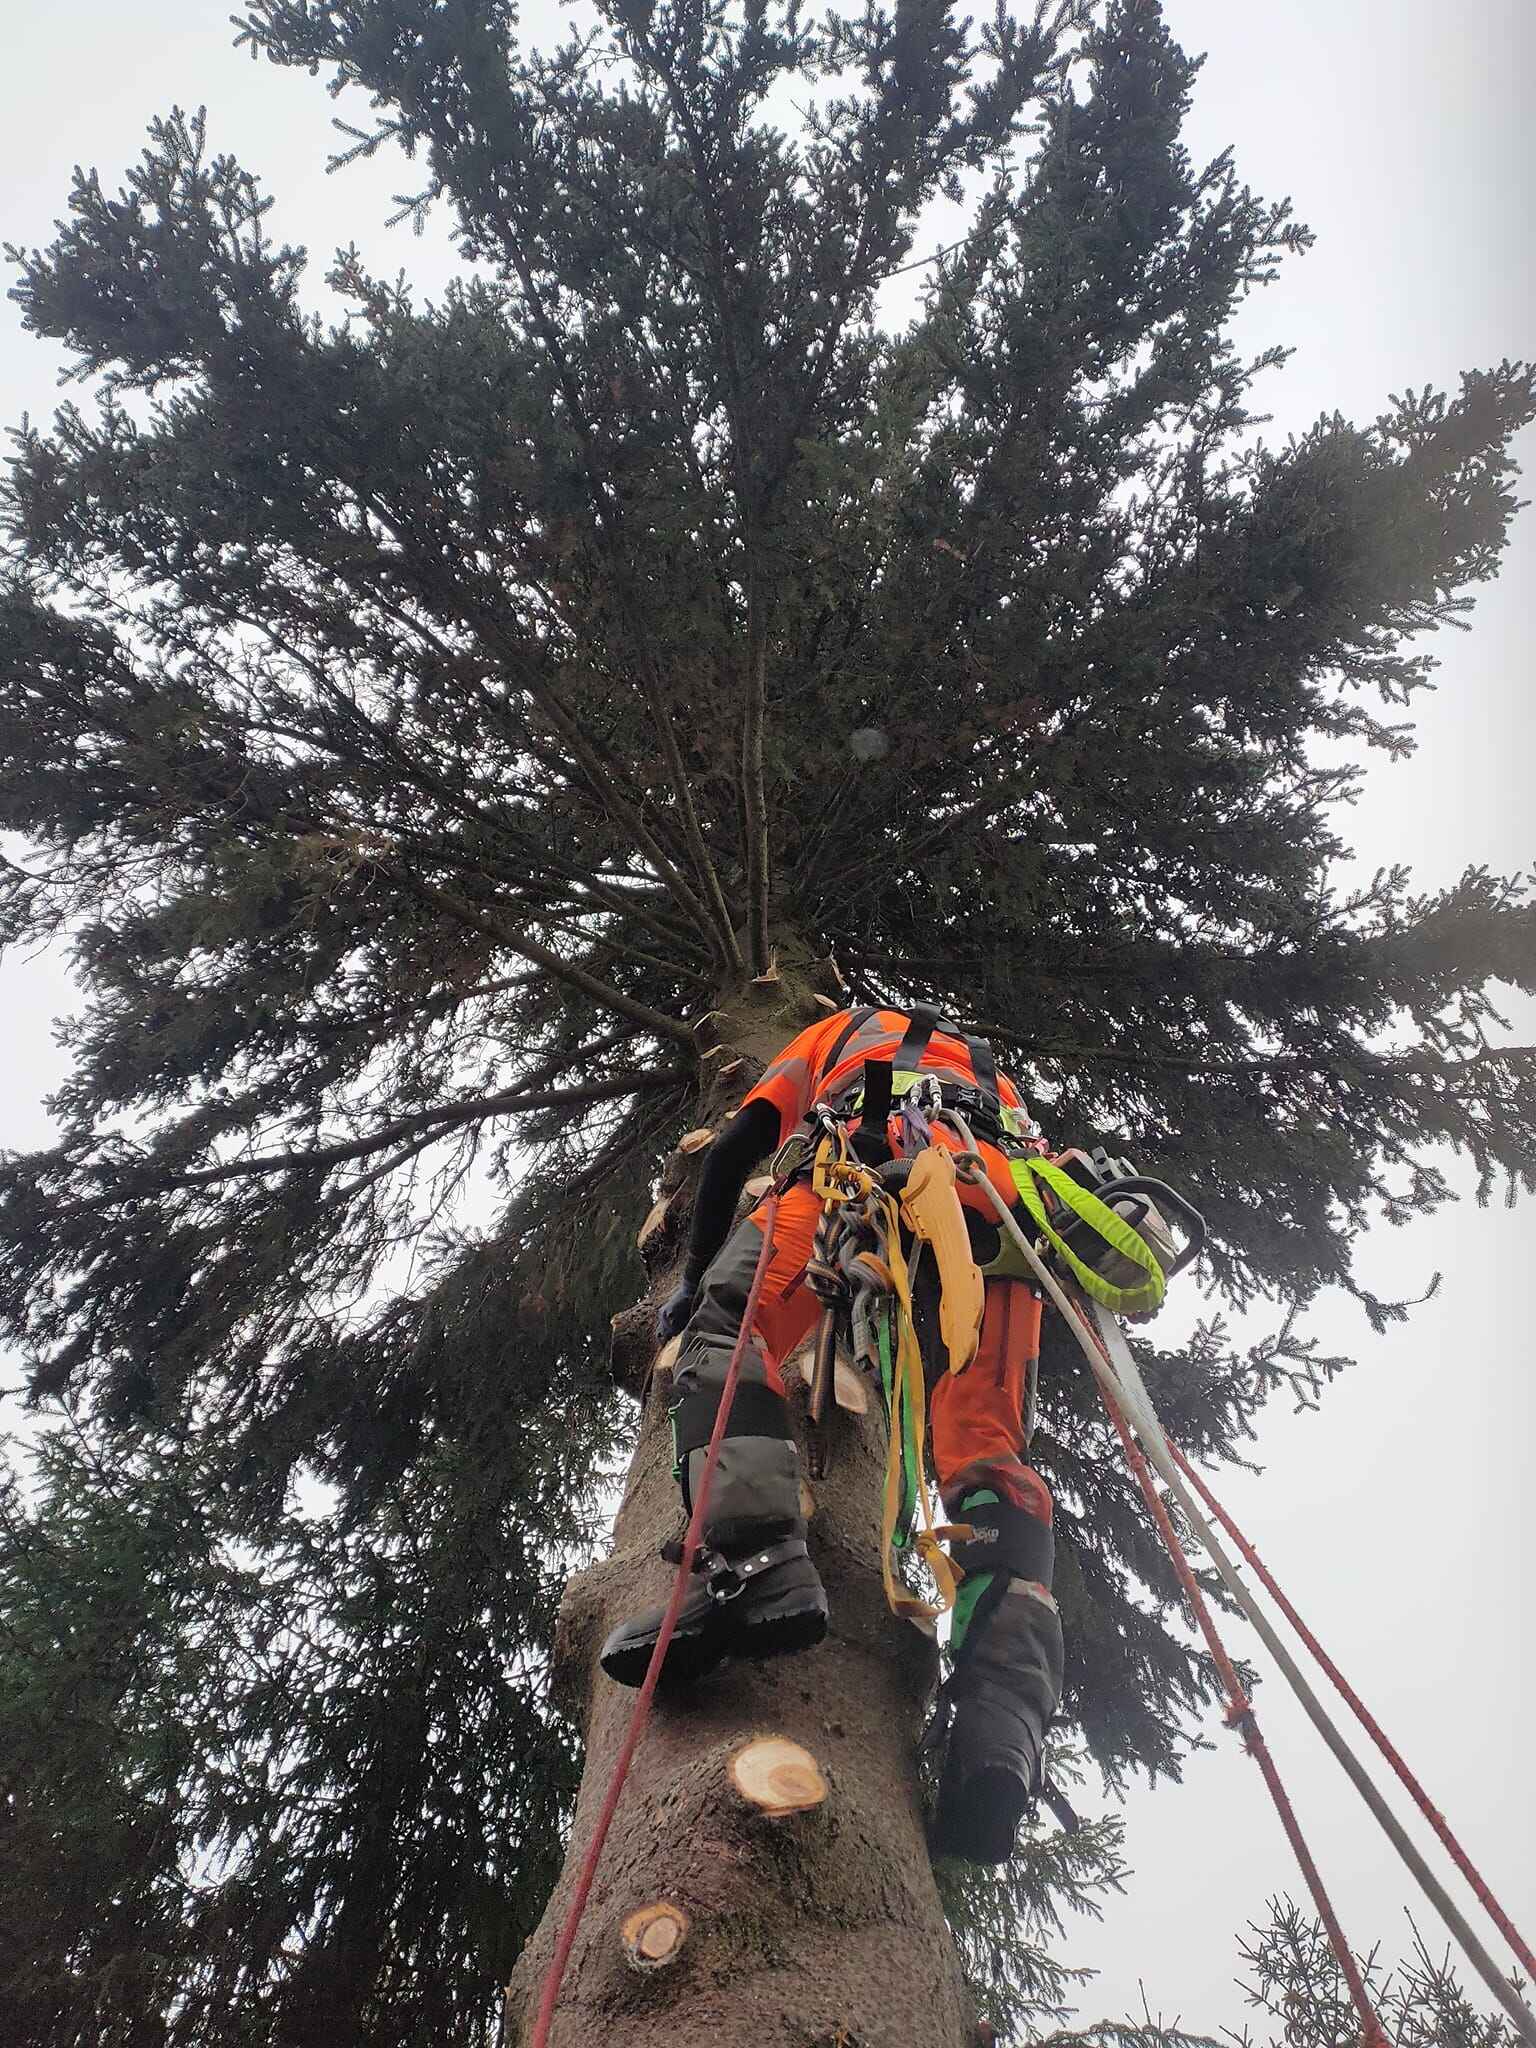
1119, 1376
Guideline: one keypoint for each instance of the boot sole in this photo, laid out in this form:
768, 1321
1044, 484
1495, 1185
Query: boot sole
980, 1823
696, 1654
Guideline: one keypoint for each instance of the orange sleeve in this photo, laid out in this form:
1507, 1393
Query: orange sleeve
790, 1082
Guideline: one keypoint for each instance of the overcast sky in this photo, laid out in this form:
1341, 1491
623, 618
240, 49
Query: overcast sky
1401, 1520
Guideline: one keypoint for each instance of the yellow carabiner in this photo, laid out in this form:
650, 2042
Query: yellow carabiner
837, 1175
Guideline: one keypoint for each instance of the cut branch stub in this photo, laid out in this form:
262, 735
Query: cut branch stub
632, 1348
798, 1364
653, 1935
654, 1222
666, 1357
704, 1027
848, 1389
777, 1776
695, 1141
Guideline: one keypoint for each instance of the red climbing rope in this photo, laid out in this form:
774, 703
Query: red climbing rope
637, 1720
1362, 1713
1241, 1716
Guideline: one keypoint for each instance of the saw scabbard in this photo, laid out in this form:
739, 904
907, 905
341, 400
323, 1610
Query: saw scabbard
930, 1205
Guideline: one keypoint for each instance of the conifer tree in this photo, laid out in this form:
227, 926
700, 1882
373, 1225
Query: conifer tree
457, 743
1293, 1982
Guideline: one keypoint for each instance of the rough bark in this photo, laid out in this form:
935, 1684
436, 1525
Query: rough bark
806, 1928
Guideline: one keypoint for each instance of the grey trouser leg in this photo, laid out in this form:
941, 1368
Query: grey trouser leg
758, 1477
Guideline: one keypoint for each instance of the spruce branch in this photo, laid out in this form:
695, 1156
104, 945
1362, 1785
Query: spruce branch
436, 1122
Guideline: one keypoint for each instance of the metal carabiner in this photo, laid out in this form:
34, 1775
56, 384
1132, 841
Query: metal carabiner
969, 1164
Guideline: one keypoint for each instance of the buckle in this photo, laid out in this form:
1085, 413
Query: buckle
725, 1580
721, 1579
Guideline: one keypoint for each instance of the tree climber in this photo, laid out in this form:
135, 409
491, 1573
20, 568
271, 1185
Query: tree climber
761, 1595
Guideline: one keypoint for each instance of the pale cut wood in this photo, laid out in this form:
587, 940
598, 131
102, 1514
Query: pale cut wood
653, 1935
654, 1221
732, 1067
777, 1776
695, 1141
758, 1185
826, 1002
849, 1390
800, 1361
666, 1357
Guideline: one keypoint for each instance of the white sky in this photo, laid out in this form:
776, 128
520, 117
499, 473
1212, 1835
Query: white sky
1401, 1519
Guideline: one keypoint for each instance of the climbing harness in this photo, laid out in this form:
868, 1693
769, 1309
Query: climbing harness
1129, 1406
890, 1079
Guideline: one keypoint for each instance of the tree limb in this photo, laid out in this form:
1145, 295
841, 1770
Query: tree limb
511, 1101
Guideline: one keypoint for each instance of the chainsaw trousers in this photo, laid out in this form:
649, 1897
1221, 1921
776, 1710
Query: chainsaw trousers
976, 1416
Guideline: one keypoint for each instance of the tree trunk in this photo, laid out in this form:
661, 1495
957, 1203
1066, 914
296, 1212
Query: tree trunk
762, 1899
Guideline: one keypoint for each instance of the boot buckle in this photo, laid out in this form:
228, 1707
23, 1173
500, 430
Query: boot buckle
722, 1580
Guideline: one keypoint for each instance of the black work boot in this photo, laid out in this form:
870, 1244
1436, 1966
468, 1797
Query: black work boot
1004, 1689
758, 1595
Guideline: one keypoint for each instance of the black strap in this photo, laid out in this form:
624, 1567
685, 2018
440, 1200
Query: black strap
855, 1023
921, 1025
726, 1576
983, 1065
879, 1074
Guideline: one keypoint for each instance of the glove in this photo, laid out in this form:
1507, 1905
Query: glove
672, 1316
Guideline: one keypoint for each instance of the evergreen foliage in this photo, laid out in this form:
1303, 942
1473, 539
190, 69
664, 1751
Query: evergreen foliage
1294, 1980
415, 724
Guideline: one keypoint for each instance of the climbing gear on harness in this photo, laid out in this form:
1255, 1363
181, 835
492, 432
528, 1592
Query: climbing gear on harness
858, 1265
1125, 1397
759, 1595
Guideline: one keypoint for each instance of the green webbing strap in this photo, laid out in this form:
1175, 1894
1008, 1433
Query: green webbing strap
1112, 1227
909, 1476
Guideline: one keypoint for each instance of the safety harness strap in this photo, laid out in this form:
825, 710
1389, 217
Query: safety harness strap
855, 1024
879, 1074
983, 1065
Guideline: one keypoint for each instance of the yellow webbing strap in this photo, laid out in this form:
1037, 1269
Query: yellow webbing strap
838, 1178
909, 1396
1112, 1227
